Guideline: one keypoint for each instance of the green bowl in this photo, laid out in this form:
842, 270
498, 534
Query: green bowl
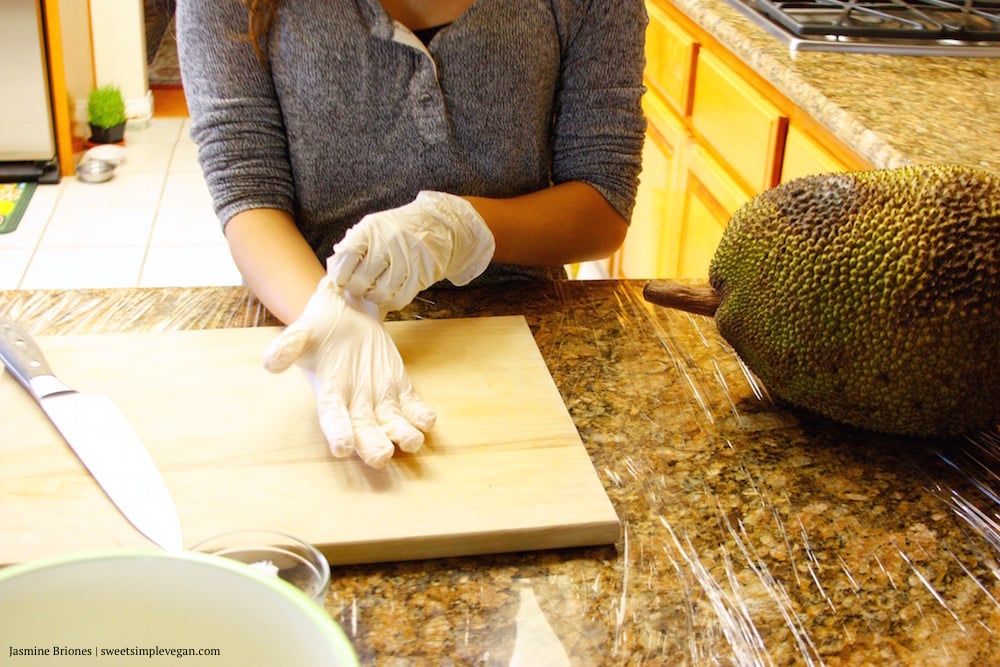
147, 607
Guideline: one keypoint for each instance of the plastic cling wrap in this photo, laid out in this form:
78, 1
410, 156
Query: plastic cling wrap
753, 534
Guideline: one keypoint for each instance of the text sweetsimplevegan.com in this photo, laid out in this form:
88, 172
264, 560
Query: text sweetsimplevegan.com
151, 651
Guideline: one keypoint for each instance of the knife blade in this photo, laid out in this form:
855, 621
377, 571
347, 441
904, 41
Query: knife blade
101, 437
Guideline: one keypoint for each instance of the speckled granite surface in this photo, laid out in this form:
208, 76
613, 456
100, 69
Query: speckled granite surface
892, 110
752, 535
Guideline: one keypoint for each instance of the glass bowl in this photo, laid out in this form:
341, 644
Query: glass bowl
275, 553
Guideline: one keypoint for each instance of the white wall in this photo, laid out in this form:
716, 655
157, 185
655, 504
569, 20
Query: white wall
74, 19
118, 35
104, 41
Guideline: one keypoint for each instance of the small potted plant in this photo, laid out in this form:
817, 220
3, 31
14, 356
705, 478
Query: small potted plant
106, 113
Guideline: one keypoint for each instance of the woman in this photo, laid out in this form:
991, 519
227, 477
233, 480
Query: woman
465, 140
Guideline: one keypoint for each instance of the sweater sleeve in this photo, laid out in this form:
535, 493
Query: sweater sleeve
599, 123
236, 120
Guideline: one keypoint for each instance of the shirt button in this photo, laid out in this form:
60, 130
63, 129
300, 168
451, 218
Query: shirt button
425, 99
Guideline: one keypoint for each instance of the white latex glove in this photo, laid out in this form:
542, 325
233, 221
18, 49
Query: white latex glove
364, 398
390, 256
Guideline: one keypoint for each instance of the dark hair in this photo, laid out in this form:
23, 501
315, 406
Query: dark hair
260, 16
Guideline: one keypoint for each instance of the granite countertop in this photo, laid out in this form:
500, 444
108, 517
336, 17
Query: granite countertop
751, 534
892, 110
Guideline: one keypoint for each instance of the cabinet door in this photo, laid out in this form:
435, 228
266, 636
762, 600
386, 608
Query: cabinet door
639, 256
670, 59
711, 198
646, 252
739, 124
804, 156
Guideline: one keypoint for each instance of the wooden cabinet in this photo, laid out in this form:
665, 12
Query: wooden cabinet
718, 135
711, 195
805, 156
737, 123
649, 250
685, 200
670, 60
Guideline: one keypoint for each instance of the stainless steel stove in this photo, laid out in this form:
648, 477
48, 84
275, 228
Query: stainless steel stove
904, 27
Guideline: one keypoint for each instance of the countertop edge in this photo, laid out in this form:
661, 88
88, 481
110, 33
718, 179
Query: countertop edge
775, 63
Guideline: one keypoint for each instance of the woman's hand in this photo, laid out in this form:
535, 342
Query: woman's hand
390, 256
364, 398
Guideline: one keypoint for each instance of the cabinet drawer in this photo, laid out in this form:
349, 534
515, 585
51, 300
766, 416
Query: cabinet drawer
670, 59
738, 123
803, 156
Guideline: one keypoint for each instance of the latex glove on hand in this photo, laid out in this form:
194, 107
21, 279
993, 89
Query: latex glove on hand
390, 256
364, 397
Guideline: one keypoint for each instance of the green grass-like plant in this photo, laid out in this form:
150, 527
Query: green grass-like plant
106, 107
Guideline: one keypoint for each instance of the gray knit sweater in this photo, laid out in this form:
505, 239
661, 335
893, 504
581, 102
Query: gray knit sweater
356, 116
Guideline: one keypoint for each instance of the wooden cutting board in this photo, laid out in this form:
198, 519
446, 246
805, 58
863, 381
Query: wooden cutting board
504, 468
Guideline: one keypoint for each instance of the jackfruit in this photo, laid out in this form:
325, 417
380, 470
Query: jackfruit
870, 297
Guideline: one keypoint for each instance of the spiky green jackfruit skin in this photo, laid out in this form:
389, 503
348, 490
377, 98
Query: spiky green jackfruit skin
871, 297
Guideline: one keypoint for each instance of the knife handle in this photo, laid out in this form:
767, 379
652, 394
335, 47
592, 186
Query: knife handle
25, 361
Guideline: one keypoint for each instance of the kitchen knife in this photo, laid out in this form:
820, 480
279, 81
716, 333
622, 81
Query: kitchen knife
101, 437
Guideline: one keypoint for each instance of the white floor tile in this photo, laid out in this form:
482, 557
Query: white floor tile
53, 268
45, 198
149, 157
187, 226
34, 220
185, 158
99, 227
124, 190
189, 266
186, 189
13, 262
596, 270
151, 224
29, 230
162, 130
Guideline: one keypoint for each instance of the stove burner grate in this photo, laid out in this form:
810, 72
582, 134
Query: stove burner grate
951, 20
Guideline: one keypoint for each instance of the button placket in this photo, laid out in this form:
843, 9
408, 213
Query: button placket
426, 98
428, 103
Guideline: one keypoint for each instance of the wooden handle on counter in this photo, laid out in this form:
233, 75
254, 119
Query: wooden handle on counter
693, 299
